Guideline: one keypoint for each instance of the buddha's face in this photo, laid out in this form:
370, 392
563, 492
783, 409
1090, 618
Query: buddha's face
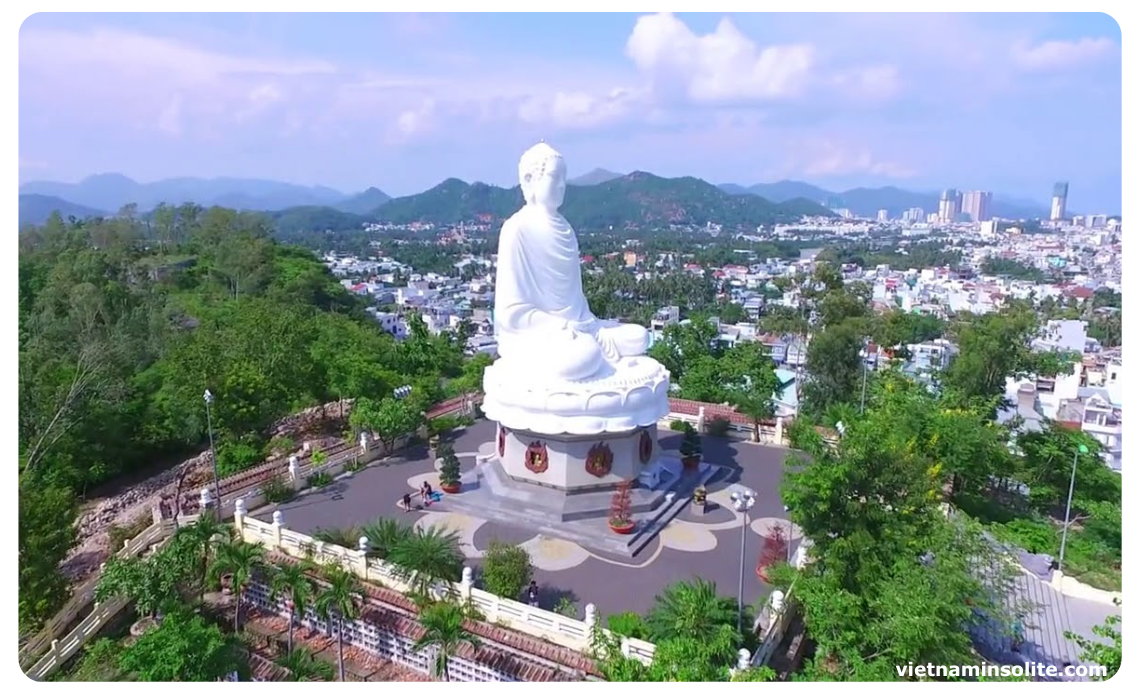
548, 189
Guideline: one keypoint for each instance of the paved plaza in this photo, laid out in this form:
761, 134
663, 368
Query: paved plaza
690, 546
707, 546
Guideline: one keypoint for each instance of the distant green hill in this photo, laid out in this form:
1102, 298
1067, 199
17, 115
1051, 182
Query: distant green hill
363, 203
35, 209
314, 218
634, 200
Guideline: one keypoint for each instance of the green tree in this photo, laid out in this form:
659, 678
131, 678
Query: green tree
834, 368
46, 534
292, 581
506, 569
443, 632
240, 561
427, 557
690, 609
184, 648
206, 534
388, 419
303, 666
339, 601
994, 347
385, 534
750, 382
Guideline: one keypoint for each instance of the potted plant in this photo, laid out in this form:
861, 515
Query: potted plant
773, 552
700, 500
621, 515
690, 447
449, 469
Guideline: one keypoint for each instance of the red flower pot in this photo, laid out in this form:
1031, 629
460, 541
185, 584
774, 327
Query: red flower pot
451, 488
690, 462
623, 529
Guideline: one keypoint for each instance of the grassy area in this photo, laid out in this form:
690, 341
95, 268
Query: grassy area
1087, 558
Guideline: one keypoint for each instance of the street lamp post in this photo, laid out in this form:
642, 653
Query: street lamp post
209, 398
1081, 450
742, 501
863, 397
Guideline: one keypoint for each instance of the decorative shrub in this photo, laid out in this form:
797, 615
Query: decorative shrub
506, 569
678, 425
566, 607
620, 513
719, 426
277, 491
691, 442
354, 465
628, 624
318, 457
320, 479
449, 469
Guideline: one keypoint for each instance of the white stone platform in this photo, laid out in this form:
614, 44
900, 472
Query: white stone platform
489, 492
632, 393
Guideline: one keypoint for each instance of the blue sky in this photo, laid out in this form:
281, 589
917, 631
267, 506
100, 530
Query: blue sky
1002, 102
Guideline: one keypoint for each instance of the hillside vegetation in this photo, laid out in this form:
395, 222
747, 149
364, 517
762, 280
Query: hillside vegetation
121, 333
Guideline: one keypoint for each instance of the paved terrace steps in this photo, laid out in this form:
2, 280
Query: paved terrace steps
256, 477
394, 611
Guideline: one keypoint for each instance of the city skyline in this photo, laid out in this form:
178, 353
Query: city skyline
836, 100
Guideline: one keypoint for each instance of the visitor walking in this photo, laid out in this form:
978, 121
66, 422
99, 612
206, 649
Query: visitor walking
407, 502
532, 594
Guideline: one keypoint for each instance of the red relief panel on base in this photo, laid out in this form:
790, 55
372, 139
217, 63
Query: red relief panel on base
537, 459
600, 460
645, 447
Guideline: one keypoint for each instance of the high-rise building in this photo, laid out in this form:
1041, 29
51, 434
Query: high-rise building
949, 205
1060, 197
914, 214
882, 216
976, 204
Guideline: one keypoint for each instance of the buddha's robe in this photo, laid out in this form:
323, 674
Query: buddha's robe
541, 316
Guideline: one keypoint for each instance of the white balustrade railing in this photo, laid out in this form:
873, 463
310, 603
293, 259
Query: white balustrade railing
559, 629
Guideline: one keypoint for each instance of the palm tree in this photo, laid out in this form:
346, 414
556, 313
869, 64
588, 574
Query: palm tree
206, 534
293, 581
384, 535
443, 629
345, 537
689, 608
240, 560
303, 666
340, 599
427, 557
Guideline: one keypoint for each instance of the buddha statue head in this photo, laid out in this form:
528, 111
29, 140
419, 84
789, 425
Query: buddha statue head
542, 175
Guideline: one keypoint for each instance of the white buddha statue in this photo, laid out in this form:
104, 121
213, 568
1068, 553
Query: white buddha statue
542, 319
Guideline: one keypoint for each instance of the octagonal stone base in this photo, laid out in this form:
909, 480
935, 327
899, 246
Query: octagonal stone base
574, 463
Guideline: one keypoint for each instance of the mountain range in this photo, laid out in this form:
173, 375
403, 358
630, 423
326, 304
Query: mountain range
596, 199
866, 202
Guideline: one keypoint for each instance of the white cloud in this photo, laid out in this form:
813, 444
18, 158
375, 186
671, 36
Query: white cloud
872, 83
170, 120
825, 158
577, 109
1052, 55
722, 66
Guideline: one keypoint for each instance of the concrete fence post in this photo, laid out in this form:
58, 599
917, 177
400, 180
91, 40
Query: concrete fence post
591, 616
743, 659
467, 583
239, 517
365, 442
278, 526
779, 434
701, 419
